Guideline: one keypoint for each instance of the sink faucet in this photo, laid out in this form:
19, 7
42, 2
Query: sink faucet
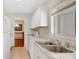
67, 44
58, 43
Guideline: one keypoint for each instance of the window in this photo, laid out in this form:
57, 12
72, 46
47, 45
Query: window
63, 22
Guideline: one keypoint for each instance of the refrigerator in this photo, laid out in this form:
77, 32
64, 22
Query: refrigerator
6, 38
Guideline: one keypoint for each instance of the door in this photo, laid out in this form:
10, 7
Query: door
19, 33
19, 42
19, 39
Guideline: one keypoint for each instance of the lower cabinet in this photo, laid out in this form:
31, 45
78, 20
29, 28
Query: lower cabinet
31, 49
40, 54
36, 52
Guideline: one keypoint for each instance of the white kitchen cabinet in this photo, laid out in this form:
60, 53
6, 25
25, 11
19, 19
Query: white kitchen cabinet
40, 54
31, 49
28, 44
33, 22
40, 18
36, 52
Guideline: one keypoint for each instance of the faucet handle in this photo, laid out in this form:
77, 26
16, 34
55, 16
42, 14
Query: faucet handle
58, 42
67, 44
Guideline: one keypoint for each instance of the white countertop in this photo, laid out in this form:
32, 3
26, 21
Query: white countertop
36, 38
52, 55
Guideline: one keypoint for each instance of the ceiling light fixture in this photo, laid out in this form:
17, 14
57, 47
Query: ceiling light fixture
19, 0
17, 25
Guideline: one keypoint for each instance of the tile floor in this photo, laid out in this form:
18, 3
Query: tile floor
19, 53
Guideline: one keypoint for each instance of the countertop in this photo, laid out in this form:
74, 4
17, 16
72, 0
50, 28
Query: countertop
36, 38
52, 55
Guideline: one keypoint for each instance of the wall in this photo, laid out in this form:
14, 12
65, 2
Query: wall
68, 23
27, 28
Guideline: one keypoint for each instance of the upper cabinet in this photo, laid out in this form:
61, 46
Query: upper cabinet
40, 18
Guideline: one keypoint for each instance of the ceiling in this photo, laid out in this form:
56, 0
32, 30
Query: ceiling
24, 6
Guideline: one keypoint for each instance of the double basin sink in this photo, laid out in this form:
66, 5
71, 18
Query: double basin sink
54, 48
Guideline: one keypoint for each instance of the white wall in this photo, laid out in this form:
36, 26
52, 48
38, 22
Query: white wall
27, 24
68, 24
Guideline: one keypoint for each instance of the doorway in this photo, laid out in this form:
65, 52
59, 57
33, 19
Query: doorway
19, 33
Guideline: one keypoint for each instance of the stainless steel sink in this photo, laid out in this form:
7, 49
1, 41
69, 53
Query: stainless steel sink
57, 49
45, 43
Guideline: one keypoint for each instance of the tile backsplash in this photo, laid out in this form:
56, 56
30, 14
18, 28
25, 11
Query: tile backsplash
43, 32
63, 40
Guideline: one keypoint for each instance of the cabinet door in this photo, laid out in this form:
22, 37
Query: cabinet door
28, 43
36, 52
37, 17
32, 22
31, 49
43, 55
40, 54
44, 16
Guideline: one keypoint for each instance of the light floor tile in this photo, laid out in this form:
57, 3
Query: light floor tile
19, 53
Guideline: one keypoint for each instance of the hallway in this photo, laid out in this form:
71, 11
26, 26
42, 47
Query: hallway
19, 53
